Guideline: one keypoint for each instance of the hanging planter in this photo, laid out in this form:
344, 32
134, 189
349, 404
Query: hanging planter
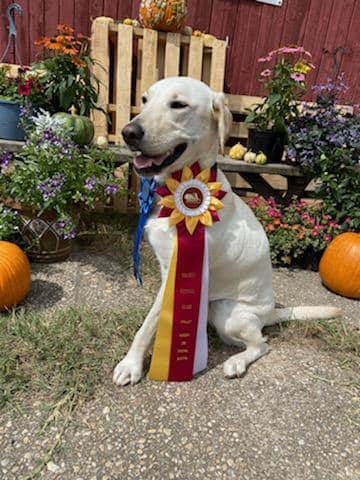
166, 15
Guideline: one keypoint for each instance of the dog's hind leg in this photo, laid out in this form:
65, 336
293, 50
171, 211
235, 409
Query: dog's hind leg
238, 327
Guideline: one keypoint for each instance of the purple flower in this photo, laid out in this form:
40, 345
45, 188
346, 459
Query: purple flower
70, 234
5, 159
66, 227
50, 136
51, 186
337, 139
111, 188
66, 147
90, 183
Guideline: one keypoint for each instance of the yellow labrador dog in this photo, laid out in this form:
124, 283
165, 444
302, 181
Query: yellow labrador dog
183, 121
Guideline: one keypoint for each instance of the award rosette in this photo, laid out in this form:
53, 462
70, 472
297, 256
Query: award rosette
191, 199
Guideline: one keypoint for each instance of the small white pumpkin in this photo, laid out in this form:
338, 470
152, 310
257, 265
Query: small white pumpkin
250, 157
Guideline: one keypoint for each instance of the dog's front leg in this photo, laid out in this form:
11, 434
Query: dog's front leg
130, 369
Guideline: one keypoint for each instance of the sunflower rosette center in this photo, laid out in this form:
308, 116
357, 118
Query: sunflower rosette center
191, 196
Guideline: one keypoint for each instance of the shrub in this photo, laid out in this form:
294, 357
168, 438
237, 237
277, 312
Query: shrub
8, 224
326, 143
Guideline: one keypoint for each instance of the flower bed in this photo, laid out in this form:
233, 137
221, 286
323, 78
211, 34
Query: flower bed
297, 233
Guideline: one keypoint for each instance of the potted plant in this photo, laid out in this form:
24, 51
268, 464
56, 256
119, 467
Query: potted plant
65, 72
284, 80
50, 181
15, 93
325, 142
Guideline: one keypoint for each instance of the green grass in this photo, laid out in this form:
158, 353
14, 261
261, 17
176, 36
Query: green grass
334, 336
63, 354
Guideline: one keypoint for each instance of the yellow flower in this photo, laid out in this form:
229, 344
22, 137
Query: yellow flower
301, 67
211, 189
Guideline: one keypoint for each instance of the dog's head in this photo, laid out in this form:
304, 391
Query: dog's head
182, 121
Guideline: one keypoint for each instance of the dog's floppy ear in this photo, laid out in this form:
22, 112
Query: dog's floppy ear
222, 116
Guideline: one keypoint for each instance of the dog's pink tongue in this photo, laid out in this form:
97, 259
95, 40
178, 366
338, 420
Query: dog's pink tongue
142, 161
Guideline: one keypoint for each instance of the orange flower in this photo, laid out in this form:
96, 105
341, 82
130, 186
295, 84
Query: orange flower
53, 45
61, 38
70, 51
276, 221
295, 227
41, 41
66, 29
77, 61
270, 227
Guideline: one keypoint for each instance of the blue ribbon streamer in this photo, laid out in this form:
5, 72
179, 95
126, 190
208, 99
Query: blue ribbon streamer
146, 198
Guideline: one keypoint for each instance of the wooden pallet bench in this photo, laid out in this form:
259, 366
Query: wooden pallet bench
254, 174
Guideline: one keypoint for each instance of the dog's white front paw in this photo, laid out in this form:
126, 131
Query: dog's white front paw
234, 367
129, 370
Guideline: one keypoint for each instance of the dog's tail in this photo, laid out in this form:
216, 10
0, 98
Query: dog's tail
305, 314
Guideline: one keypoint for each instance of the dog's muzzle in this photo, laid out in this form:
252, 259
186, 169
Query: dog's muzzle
132, 134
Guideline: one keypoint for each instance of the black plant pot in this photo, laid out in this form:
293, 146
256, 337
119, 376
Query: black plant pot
266, 141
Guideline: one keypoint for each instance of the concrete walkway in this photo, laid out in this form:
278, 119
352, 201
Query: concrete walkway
293, 416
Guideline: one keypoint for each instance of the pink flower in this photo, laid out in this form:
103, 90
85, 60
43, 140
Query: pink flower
298, 77
332, 224
271, 202
312, 221
326, 217
347, 219
273, 212
265, 59
314, 233
266, 73
293, 50
254, 202
327, 237
305, 216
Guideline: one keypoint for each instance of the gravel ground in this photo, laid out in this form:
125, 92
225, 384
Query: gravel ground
293, 416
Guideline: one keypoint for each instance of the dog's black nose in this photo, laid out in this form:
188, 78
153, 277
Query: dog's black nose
133, 133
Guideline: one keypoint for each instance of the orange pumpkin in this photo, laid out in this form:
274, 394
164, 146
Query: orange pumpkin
167, 15
340, 265
15, 275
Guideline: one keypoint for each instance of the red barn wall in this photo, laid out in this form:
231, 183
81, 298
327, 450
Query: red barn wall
252, 28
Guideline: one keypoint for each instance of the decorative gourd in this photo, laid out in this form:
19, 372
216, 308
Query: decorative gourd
15, 275
81, 126
237, 152
167, 15
340, 265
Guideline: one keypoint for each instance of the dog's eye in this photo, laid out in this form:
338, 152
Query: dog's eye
143, 99
178, 105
